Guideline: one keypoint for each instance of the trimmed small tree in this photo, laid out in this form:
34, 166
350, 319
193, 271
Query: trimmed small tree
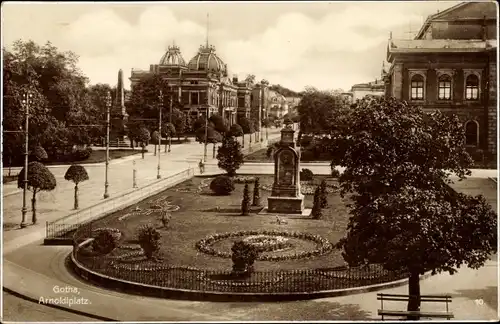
149, 240
168, 130
245, 202
39, 179
143, 137
256, 192
230, 156
247, 127
155, 138
243, 256
323, 194
316, 212
236, 131
77, 174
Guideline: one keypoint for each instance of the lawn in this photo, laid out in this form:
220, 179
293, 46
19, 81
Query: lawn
98, 156
202, 214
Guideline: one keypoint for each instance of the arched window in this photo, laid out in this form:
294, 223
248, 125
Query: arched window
472, 87
417, 87
471, 133
444, 87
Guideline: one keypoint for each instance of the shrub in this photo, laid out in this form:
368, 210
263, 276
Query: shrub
323, 194
307, 155
38, 154
256, 193
222, 185
77, 174
306, 175
229, 155
335, 173
106, 240
81, 154
243, 256
245, 202
149, 240
235, 130
316, 210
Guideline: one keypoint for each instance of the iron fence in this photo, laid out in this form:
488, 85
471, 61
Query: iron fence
65, 227
202, 280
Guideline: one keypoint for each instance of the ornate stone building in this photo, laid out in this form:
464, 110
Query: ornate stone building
451, 66
202, 85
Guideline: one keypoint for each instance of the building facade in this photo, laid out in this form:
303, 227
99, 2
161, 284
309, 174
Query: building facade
202, 85
360, 90
278, 106
451, 66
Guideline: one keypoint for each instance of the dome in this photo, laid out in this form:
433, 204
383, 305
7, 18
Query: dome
207, 60
172, 57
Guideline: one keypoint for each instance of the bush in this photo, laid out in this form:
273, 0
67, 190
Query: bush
222, 185
38, 154
81, 154
316, 210
243, 256
245, 202
256, 193
335, 173
306, 175
323, 194
149, 240
229, 155
307, 155
106, 240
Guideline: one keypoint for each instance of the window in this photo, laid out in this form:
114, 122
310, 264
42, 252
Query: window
471, 133
417, 87
472, 87
444, 87
194, 98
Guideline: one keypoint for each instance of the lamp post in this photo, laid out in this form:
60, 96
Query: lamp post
160, 106
134, 174
170, 136
108, 111
206, 137
28, 99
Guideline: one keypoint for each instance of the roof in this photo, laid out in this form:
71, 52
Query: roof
172, 57
427, 22
207, 60
440, 45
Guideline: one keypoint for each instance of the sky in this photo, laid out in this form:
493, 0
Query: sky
328, 45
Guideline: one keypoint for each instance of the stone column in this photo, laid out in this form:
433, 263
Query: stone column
492, 107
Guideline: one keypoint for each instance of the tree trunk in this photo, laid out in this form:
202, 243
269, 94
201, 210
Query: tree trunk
250, 139
142, 151
76, 196
213, 154
414, 292
165, 147
243, 145
10, 164
33, 207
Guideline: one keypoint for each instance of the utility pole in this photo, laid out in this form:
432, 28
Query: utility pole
108, 111
206, 136
160, 106
28, 99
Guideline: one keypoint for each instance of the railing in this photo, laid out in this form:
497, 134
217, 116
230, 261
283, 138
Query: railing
178, 277
64, 227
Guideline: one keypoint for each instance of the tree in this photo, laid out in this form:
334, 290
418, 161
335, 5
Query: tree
179, 122
156, 139
323, 194
245, 202
316, 212
404, 215
143, 138
256, 192
219, 124
38, 154
77, 174
39, 179
247, 127
236, 131
229, 155
212, 136
168, 130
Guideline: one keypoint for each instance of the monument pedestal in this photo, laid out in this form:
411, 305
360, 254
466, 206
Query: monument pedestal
286, 205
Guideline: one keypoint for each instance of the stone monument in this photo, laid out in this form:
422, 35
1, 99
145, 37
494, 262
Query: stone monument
119, 116
286, 197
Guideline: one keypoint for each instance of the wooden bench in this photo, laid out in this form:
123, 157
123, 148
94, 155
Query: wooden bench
423, 298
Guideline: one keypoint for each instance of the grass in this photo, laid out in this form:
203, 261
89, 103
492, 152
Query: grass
198, 218
98, 156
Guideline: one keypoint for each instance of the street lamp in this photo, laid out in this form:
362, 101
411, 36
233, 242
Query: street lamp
27, 100
108, 111
160, 106
170, 136
206, 136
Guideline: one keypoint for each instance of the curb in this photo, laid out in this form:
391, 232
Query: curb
66, 309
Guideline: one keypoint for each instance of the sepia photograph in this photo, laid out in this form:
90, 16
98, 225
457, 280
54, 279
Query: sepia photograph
249, 161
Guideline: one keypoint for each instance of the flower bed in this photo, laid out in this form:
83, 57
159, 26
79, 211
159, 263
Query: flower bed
244, 179
323, 246
266, 243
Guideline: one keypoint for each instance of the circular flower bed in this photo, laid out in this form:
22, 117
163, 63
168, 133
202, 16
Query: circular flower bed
306, 187
114, 232
267, 243
323, 246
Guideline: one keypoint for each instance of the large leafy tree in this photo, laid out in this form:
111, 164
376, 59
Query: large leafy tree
39, 179
320, 112
404, 215
229, 155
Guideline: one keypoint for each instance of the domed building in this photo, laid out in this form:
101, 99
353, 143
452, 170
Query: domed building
202, 85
